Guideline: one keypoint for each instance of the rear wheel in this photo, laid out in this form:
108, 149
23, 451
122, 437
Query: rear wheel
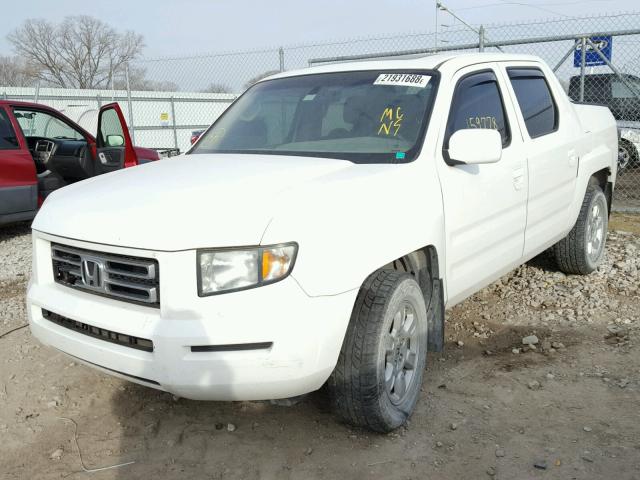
582, 250
627, 156
376, 382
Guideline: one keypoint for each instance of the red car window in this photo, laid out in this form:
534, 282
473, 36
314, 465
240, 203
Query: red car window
8, 139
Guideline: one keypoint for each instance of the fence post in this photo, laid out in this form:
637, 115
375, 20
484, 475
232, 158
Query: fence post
112, 85
98, 100
131, 127
583, 61
281, 57
173, 121
481, 39
36, 96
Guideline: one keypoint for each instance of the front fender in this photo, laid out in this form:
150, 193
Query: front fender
353, 222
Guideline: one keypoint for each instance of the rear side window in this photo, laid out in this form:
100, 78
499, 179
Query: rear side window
477, 103
8, 139
536, 102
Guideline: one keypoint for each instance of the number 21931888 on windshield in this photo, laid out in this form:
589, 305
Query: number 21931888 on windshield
403, 79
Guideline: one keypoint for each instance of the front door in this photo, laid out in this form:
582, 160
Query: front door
485, 205
18, 186
114, 147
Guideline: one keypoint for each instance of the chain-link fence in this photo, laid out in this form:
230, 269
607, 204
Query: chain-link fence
597, 60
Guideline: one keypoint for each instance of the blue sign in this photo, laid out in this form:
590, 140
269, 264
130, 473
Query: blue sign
592, 59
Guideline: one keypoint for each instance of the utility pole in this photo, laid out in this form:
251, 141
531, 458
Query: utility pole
480, 32
436, 31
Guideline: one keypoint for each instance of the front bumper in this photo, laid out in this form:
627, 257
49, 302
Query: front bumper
305, 332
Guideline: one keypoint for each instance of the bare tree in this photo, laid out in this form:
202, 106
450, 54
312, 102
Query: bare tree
217, 88
259, 77
80, 52
15, 73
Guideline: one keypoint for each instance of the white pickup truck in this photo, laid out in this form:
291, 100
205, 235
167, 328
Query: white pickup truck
317, 231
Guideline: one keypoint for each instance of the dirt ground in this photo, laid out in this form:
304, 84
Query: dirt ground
490, 408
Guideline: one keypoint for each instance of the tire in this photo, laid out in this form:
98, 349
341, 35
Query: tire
582, 250
375, 347
627, 156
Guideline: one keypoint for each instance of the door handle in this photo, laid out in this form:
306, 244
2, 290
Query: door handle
573, 158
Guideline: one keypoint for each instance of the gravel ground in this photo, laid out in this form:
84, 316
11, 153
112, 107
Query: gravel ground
540, 379
15, 268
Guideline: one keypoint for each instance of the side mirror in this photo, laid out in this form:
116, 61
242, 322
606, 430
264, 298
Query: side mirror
475, 146
115, 141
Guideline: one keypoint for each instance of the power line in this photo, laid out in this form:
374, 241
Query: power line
538, 6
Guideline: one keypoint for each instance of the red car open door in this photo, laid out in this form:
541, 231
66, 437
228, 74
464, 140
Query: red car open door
18, 185
114, 146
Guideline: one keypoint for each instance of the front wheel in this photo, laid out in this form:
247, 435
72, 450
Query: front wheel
377, 380
582, 250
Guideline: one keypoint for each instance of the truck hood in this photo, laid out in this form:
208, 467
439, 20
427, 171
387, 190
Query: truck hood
180, 203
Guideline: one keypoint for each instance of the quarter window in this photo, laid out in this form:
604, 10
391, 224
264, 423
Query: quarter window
536, 102
8, 139
477, 103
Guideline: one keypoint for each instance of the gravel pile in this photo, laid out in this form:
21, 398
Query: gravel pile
537, 295
15, 269
538, 286
15, 253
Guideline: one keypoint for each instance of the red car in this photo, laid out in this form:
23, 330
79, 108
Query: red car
195, 135
42, 150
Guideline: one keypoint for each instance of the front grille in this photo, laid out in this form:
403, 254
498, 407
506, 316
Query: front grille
131, 279
101, 333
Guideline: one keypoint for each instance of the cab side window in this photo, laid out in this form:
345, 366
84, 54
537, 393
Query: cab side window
35, 123
477, 103
8, 139
536, 103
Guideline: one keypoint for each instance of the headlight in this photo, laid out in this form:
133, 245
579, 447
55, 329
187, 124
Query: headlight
229, 270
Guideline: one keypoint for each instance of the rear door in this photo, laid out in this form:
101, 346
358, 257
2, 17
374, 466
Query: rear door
18, 182
114, 147
548, 128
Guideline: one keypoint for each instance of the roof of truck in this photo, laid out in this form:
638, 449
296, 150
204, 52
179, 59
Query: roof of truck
426, 62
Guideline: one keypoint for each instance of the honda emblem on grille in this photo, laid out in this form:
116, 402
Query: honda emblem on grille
92, 271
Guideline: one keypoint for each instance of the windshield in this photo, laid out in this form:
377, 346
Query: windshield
364, 117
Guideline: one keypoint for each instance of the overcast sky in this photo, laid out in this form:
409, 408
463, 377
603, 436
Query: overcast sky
183, 27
